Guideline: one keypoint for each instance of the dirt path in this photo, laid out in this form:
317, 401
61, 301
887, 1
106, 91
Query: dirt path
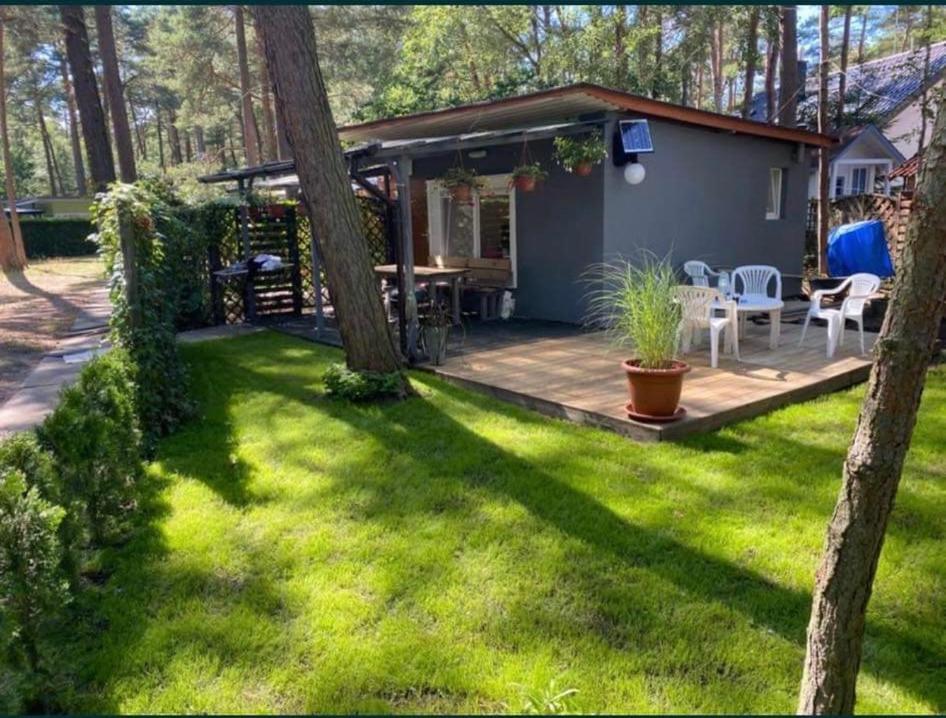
36, 308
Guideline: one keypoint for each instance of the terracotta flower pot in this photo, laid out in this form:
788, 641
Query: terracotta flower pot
654, 392
524, 183
462, 193
583, 169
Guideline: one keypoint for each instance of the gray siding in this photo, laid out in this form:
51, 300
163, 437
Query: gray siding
704, 197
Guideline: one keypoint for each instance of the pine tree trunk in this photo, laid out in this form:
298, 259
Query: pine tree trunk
875, 457
752, 54
270, 150
289, 42
771, 69
788, 95
200, 142
842, 77
116, 96
47, 145
12, 249
160, 131
824, 208
77, 162
94, 131
717, 39
250, 137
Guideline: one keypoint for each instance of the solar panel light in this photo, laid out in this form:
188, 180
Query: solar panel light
631, 138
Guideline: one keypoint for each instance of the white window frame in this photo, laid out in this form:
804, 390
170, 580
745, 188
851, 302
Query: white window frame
868, 180
494, 183
774, 172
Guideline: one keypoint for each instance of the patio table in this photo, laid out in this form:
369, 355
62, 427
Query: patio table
432, 275
759, 304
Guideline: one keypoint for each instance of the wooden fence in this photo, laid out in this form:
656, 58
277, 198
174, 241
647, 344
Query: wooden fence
894, 212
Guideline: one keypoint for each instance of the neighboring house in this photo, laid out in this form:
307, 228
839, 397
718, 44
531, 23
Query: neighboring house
721, 189
906, 174
861, 164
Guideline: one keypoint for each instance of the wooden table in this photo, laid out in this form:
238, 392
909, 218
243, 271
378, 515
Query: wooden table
432, 275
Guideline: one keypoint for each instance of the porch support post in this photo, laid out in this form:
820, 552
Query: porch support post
834, 174
403, 167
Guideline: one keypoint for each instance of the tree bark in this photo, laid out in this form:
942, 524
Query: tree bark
875, 457
771, 68
842, 77
159, 128
77, 162
717, 39
94, 131
788, 96
270, 150
752, 54
620, 48
47, 145
250, 137
12, 249
860, 42
116, 96
289, 42
925, 94
824, 207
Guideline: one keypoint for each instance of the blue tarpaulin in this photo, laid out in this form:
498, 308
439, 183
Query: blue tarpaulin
859, 247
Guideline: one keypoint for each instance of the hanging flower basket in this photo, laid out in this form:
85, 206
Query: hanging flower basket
579, 155
583, 169
461, 182
526, 176
462, 193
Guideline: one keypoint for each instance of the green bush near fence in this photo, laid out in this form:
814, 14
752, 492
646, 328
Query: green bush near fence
57, 237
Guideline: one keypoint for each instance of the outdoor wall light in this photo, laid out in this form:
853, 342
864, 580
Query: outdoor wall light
634, 173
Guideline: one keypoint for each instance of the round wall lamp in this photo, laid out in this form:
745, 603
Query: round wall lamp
634, 173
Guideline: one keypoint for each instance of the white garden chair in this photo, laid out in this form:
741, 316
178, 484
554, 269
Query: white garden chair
699, 273
755, 280
699, 307
860, 289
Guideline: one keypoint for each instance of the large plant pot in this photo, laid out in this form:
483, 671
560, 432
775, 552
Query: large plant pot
583, 169
436, 340
462, 193
655, 393
524, 183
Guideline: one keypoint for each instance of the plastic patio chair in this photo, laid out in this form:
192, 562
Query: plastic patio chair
699, 273
699, 305
755, 280
860, 289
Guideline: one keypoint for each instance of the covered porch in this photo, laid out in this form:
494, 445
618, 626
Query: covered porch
566, 372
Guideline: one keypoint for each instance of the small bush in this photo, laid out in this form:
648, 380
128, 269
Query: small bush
57, 237
94, 437
343, 383
33, 590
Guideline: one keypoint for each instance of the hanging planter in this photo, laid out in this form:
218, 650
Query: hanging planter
461, 182
579, 155
525, 176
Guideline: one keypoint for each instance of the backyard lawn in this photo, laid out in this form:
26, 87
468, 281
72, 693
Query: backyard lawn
449, 553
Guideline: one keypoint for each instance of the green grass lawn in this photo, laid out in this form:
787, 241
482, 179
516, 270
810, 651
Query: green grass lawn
446, 553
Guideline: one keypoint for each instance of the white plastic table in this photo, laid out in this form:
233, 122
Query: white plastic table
759, 304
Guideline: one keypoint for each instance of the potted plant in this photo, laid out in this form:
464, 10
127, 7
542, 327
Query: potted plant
436, 329
580, 154
461, 182
636, 304
525, 176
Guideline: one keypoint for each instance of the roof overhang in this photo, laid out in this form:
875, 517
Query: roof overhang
575, 102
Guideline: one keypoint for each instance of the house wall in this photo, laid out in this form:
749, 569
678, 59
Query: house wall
903, 129
558, 228
704, 197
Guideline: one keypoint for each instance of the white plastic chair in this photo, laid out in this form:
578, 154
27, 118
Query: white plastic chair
699, 305
699, 273
756, 279
860, 289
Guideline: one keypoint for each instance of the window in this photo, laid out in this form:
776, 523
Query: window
859, 180
839, 186
484, 228
773, 207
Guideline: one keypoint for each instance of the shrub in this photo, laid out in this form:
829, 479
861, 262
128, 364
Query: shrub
573, 151
54, 237
145, 326
94, 437
343, 383
33, 588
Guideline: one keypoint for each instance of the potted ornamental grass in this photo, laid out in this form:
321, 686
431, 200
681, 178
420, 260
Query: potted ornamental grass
435, 326
635, 303
461, 182
525, 176
579, 155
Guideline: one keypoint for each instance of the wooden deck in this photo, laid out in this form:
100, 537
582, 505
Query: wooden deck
568, 373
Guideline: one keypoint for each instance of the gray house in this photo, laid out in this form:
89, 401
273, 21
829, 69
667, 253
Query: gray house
717, 188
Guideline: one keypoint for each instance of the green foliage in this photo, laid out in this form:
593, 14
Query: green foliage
145, 327
461, 177
54, 237
533, 170
573, 151
343, 383
549, 700
33, 589
93, 435
635, 302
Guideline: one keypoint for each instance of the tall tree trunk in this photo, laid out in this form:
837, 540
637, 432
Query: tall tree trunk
752, 55
200, 142
174, 140
159, 128
717, 39
842, 77
94, 131
871, 476
620, 48
771, 69
77, 162
925, 95
47, 145
863, 37
824, 208
188, 148
788, 97
250, 138
12, 249
270, 151
289, 41
115, 93
140, 141
655, 85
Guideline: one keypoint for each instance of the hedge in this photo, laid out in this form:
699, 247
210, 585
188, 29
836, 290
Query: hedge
57, 237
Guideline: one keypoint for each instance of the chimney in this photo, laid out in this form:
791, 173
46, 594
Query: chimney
802, 80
